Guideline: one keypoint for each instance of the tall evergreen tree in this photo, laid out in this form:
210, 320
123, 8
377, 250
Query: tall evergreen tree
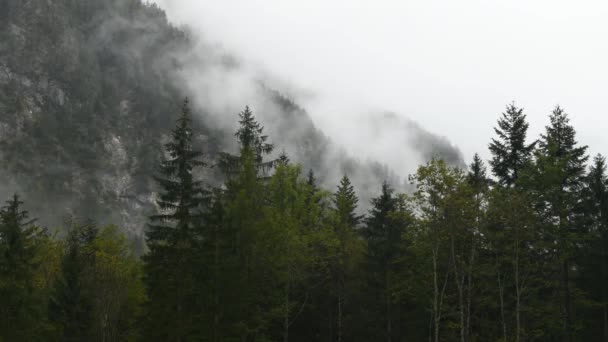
594, 263
557, 182
251, 139
347, 253
171, 268
477, 176
247, 308
384, 231
345, 203
510, 152
21, 310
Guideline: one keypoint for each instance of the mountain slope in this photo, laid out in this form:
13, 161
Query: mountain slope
88, 90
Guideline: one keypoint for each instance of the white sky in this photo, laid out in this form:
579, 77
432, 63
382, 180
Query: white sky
450, 65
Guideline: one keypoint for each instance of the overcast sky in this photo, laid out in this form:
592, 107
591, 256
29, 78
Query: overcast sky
450, 65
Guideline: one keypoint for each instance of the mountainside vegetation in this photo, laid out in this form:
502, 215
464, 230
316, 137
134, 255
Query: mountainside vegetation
163, 234
86, 92
269, 255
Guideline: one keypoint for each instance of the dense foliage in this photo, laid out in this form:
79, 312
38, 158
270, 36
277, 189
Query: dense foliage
516, 251
519, 255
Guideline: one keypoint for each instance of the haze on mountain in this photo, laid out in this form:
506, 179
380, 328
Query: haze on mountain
187, 184
451, 66
87, 90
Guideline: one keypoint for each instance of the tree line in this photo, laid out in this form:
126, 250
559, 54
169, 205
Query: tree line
513, 251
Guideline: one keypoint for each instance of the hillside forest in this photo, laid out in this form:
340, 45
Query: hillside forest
129, 211
514, 249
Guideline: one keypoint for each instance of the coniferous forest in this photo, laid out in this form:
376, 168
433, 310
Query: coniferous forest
134, 220
515, 250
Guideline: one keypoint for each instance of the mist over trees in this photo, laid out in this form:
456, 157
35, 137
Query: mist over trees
87, 89
200, 234
513, 252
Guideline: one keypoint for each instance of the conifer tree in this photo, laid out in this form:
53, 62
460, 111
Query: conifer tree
171, 268
510, 152
384, 231
246, 232
252, 140
558, 180
345, 202
594, 263
477, 176
21, 310
348, 251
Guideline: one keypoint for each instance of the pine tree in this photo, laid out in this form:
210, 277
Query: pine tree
21, 310
384, 231
171, 268
557, 182
345, 202
477, 176
246, 310
348, 251
252, 140
510, 152
594, 263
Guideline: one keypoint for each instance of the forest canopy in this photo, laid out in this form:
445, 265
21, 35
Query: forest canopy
511, 252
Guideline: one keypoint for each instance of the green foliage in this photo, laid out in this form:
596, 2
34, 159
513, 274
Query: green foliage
510, 152
171, 265
22, 304
98, 292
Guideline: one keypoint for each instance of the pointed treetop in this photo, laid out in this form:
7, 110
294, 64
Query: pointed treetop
251, 134
11, 213
345, 201
283, 158
477, 176
510, 153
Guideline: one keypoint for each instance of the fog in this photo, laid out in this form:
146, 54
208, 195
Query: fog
450, 66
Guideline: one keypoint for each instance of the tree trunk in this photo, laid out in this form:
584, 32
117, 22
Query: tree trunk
286, 314
517, 292
389, 332
216, 290
567, 302
435, 298
501, 294
340, 316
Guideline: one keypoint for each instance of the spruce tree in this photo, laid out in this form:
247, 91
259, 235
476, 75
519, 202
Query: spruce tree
558, 181
246, 310
171, 268
21, 310
345, 202
348, 250
510, 152
384, 231
477, 176
594, 263
252, 140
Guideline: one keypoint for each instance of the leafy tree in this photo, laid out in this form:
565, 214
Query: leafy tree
440, 221
118, 290
71, 302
